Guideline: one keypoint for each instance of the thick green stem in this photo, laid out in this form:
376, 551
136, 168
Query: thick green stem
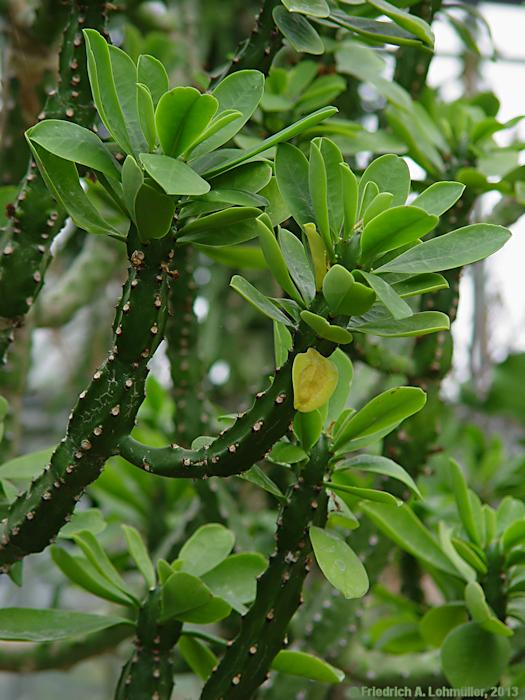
148, 675
105, 412
248, 440
279, 590
34, 217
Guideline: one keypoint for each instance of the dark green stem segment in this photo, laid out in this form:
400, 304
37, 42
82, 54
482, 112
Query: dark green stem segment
259, 49
105, 412
148, 675
245, 664
34, 219
248, 440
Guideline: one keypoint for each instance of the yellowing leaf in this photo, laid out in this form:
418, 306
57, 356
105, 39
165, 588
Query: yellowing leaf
314, 380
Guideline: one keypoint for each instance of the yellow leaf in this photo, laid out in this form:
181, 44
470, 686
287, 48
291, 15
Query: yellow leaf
314, 380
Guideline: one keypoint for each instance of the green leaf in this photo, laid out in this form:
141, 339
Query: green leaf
146, 112
216, 126
152, 73
298, 31
27, 466
350, 199
333, 159
376, 464
314, 8
153, 213
258, 300
339, 398
199, 658
98, 558
338, 286
61, 178
439, 197
391, 174
403, 527
235, 579
326, 330
363, 494
481, 612
85, 575
380, 415
181, 116
181, 593
90, 519
275, 259
132, 181
298, 265
455, 249
286, 453
411, 23
421, 323
318, 185
394, 228
388, 296
308, 428
463, 502
218, 221
420, 284
255, 475
207, 547
299, 663
473, 657
291, 170
513, 535
103, 88
445, 539
386, 32
378, 205
284, 135
240, 91
250, 177
125, 77
31, 625
436, 624
174, 176
72, 142
339, 563
213, 611
138, 551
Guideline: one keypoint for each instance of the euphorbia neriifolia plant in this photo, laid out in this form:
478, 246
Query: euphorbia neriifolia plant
351, 257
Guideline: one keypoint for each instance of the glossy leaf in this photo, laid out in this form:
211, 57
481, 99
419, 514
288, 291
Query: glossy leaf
339, 563
313, 8
388, 296
234, 579
380, 415
436, 624
33, 625
207, 547
90, 519
153, 213
473, 657
455, 249
298, 265
393, 229
152, 73
463, 502
481, 612
318, 185
298, 31
376, 464
410, 22
299, 663
439, 197
72, 142
258, 300
386, 32
291, 170
403, 527
174, 176
27, 466
340, 396
391, 174
420, 284
181, 116
146, 112
139, 552
125, 78
183, 592
323, 329
275, 259
421, 323
197, 655
338, 485
318, 254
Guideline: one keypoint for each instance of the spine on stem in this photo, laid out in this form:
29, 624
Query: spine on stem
34, 219
246, 662
149, 672
105, 411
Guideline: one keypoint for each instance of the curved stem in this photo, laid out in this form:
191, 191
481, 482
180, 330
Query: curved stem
247, 660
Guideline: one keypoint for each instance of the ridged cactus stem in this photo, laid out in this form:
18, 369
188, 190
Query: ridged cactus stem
148, 675
34, 219
105, 412
245, 664
243, 444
